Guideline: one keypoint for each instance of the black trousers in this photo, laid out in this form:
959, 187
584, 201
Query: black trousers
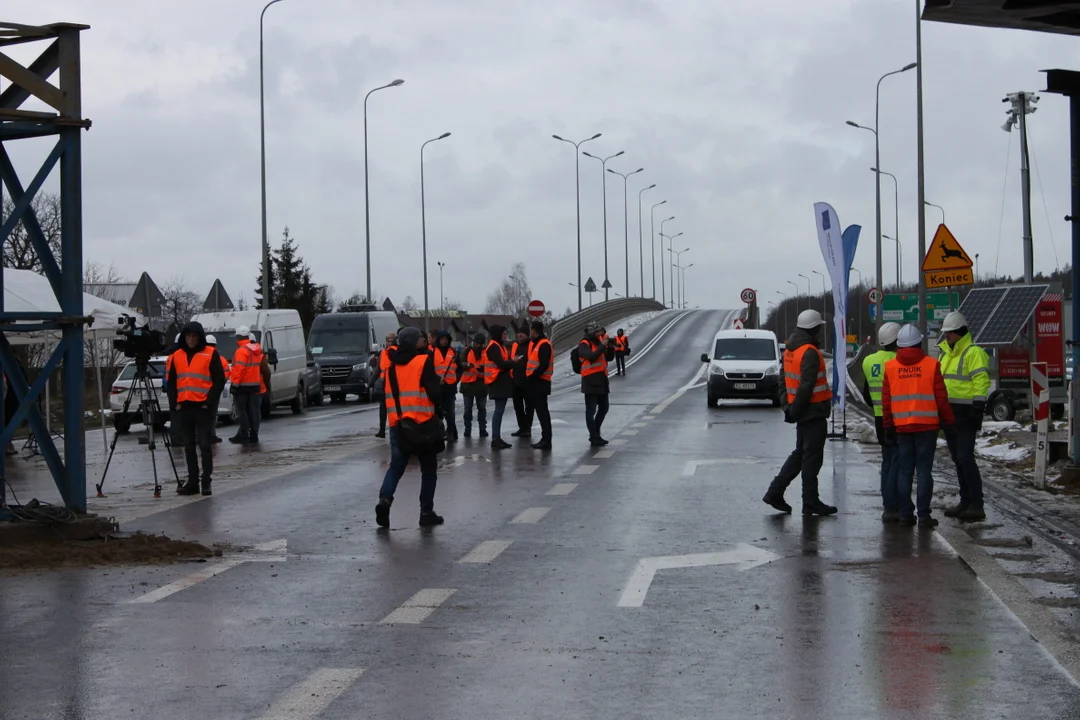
962, 451
807, 458
449, 408
538, 402
382, 413
523, 408
196, 428
620, 362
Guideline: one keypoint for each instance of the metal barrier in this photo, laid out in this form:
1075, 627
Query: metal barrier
568, 330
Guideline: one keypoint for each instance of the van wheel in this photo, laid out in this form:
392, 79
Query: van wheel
1002, 408
317, 400
297, 403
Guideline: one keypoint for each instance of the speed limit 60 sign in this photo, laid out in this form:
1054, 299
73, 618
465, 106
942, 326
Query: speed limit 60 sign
748, 296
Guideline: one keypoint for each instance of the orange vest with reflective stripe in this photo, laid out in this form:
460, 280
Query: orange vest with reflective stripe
491, 370
911, 392
595, 366
476, 367
193, 381
534, 360
247, 367
415, 403
224, 364
384, 359
446, 365
620, 343
793, 372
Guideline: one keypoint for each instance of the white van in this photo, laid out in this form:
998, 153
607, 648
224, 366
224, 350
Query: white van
282, 338
745, 365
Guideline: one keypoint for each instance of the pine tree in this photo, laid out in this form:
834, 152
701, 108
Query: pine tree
259, 304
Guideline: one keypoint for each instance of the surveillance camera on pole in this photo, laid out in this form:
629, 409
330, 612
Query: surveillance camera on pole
1022, 104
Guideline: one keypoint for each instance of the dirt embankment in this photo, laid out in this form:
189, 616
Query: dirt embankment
113, 549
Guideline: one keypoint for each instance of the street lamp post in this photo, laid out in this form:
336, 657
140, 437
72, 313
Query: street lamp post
669, 239
896, 207
808, 290
423, 230
792, 284
603, 177
577, 181
787, 312
652, 245
641, 245
442, 295
682, 283
367, 202
262, 160
877, 175
676, 261
899, 268
663, 289
939, 208
626, 222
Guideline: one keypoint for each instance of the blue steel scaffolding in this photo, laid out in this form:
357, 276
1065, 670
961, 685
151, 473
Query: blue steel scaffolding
61, 118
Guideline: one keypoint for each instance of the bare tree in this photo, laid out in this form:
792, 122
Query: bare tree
101, 351
409, 304
513, 295
19, 252
181, 303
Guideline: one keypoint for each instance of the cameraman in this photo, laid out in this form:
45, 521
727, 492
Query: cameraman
196, 380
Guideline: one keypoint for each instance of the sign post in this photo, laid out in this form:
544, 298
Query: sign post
1040, 391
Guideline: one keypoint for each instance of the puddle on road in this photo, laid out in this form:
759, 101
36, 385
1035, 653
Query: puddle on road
1024, 542
1018, 557
1050, 577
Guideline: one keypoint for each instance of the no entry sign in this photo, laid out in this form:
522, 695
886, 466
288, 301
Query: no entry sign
536, 308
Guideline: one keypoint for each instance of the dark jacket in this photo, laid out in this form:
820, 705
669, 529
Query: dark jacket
498, 355
911, 356
534, 383
429, 379
801, 409
442, 347
590, 349
519, 367
478, 388
217, 372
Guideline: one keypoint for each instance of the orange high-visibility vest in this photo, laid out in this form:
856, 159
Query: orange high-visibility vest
384, 359
475, 373
193, 381
415, 403
491, 370
620, 343
446, 365
911, 392
792, 372
534, 360
247, 367
595, 366
225, 365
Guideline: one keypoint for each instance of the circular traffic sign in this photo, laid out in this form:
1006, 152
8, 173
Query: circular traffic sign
748, 296
536, 308
874, 296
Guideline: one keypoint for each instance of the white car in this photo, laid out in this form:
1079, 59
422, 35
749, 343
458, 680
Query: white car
121, 388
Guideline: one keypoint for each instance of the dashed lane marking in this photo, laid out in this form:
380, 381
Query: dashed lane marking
603, 454
629, 432
273, 551
309, 698
648, 417
416, 609
531, 516
618, 442
562, 489
692, 465
584, 469
486, 551
640, 425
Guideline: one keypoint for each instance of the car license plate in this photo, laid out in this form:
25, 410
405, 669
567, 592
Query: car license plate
332, 388
746, 386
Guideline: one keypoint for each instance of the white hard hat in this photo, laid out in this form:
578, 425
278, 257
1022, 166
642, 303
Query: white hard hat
809, 319
953, 322
909, 336
887, 334
243, 330
211, 340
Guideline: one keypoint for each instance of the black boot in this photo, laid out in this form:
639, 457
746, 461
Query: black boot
429, 518
381, 433
955, 510
816, 507
206, 486
191, 487
544, 444
382, 512
774, 497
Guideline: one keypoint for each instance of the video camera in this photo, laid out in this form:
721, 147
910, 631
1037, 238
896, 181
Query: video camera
140, 343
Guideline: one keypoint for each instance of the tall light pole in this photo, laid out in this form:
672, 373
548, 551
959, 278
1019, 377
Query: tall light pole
792, 284
442, 295
926, 202
669, 239
641, 245
577, 185
626, 222
676, 261
367, 201
896, 237
603, 177
652, 244
262, 159
877, 175
663, 289
787, 311
423, 229
899, 269
682, 283
808, 290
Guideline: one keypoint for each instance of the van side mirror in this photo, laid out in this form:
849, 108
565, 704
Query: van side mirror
374, 348
271, 356
311, 363
704, 357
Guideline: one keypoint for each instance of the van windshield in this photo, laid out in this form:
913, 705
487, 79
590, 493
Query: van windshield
745, 349
339, 341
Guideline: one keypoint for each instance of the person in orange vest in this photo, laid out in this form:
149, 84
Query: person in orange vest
808, 405
473, 386
500, 386
446, 366
175, 437
538, 370
419, 395
211, 341
379, 363
622, 351
915, 403
595, 352
523, 409
250, 378
196, 380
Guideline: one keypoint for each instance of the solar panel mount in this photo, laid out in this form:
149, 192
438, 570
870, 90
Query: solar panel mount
996, 316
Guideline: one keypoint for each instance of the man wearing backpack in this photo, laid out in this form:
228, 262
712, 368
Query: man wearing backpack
593, 355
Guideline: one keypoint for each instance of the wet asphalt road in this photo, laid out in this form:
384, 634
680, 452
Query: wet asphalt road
525, 604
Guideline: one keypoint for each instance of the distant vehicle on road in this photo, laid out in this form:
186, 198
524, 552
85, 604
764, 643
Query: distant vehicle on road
745, 365
119, 392
342, 344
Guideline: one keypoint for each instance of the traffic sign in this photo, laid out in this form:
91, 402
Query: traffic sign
738, 324
874, 296
946, 263
536, 308
748, 296
904, 307
607, 285
590, 286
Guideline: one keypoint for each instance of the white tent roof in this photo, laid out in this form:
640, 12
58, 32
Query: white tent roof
26, 291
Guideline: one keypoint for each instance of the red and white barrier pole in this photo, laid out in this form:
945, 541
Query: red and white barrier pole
1040, 390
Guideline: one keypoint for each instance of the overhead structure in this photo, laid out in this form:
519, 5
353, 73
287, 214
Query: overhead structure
997, 316
1056, 16
57, 114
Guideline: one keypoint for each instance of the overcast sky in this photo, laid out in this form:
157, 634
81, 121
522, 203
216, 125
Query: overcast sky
735, 109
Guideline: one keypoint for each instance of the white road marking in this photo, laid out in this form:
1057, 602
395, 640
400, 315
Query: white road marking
486, 551
584, 469
309, 698
640, 425
416, 609
745, 556
562, 489
273, 551
648, 417
692, 465
531, 516
629, 432
680, 392
327, 415
603, 454
617, 442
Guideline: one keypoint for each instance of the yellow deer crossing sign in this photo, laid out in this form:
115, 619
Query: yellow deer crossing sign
946, 263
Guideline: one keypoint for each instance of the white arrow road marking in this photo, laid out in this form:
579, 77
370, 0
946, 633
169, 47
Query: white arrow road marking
273, 551
692, 465
745, 556
416, 609
309, 698
562, 489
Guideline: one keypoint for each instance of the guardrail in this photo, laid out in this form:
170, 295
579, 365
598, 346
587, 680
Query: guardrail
569, 329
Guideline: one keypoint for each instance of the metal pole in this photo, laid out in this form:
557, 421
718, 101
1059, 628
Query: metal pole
367, 202
641, 244
626, 235
663, 286
423, 231
921, 173
577, 186
603, 173
652, 248
1025, 189
877, 201
1074, 137
262, 160
789, 282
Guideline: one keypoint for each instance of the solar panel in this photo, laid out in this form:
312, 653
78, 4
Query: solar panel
979, 305
1012, 313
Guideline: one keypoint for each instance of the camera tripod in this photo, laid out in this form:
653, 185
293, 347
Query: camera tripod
151, 412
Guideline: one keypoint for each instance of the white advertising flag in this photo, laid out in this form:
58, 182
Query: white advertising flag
832, 249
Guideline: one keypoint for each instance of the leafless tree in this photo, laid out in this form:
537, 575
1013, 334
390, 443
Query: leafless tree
409, 304
513, 295
19, 252
181, 303
101, 350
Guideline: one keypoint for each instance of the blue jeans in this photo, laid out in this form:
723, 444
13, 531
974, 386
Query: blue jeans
399, 460
496, 418
481, 411
889, 470
915, 456
596, 409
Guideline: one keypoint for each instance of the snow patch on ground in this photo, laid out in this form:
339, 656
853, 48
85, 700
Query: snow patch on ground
862, 431
1005, 452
